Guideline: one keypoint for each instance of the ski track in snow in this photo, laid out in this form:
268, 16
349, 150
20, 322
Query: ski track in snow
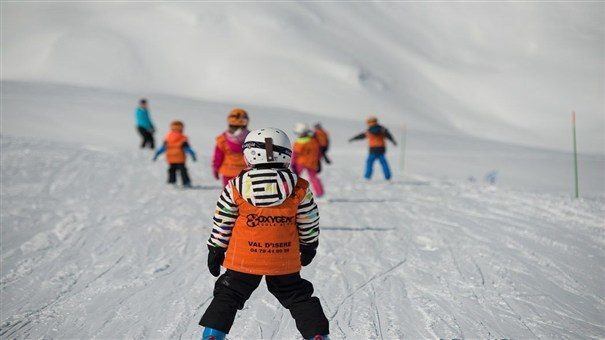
95, 245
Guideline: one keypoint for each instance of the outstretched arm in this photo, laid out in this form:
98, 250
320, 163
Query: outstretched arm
389, 136
160, 151
190, 151
358, 137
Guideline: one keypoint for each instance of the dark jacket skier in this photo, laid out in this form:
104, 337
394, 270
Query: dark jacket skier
376, 135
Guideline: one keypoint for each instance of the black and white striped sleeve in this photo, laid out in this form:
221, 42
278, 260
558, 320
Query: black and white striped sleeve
225, 214
307, 219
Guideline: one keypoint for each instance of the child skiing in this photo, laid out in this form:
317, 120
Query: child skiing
306, 156
265, 224
228, 160
144, 125
176, 146
376, 135
324, 143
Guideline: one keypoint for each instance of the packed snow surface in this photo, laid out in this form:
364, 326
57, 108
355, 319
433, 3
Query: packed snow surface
96, 245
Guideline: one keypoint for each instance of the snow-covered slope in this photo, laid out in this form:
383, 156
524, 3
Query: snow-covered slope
504, 71
94, 244
105, 119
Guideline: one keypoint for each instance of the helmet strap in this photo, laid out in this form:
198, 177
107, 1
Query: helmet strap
269, 149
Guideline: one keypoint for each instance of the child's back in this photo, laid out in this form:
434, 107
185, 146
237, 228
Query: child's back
307, 152
266, 223
267, 231
175, 151
176, 145
228, 160
306, 155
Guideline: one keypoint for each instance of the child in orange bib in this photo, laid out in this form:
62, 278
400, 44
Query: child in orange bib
306, 154
228, 160
266, 223
176, 146
376, 135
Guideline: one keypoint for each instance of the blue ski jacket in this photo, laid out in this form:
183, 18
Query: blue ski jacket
143, 119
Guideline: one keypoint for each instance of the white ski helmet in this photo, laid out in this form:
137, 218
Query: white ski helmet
301, 129
267, 146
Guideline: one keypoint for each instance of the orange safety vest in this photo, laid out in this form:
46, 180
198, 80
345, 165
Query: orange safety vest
322, 137
174, 147
375, 140
307, 153
264, 240
234, 162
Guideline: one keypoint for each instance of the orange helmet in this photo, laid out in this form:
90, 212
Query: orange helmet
372, 120
177, 125
238, 117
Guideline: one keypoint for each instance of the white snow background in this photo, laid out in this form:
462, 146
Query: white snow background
95, 245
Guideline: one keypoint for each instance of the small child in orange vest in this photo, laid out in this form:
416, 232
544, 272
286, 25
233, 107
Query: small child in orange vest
228, 160
176, 145
376, 135
266, 223
306, 155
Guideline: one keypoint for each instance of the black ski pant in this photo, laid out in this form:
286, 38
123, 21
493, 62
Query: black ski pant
147, 138
180, 167
233, 288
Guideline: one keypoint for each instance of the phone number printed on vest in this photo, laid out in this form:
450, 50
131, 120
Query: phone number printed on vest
269, 247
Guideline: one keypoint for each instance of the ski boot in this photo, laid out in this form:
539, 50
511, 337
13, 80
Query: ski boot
213, 334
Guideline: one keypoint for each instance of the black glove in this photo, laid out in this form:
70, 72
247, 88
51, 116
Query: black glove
216, 255
307, 252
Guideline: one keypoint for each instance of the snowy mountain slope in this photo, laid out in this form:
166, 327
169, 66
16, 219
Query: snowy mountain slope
104, 119
510, 72
95, 245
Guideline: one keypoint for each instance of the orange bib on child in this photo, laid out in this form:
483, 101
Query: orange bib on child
234, 162
174, 147
307, 153
375, 140
264, 240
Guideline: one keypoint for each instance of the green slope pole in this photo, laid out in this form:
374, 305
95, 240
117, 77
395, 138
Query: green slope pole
575, 150
402, 151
